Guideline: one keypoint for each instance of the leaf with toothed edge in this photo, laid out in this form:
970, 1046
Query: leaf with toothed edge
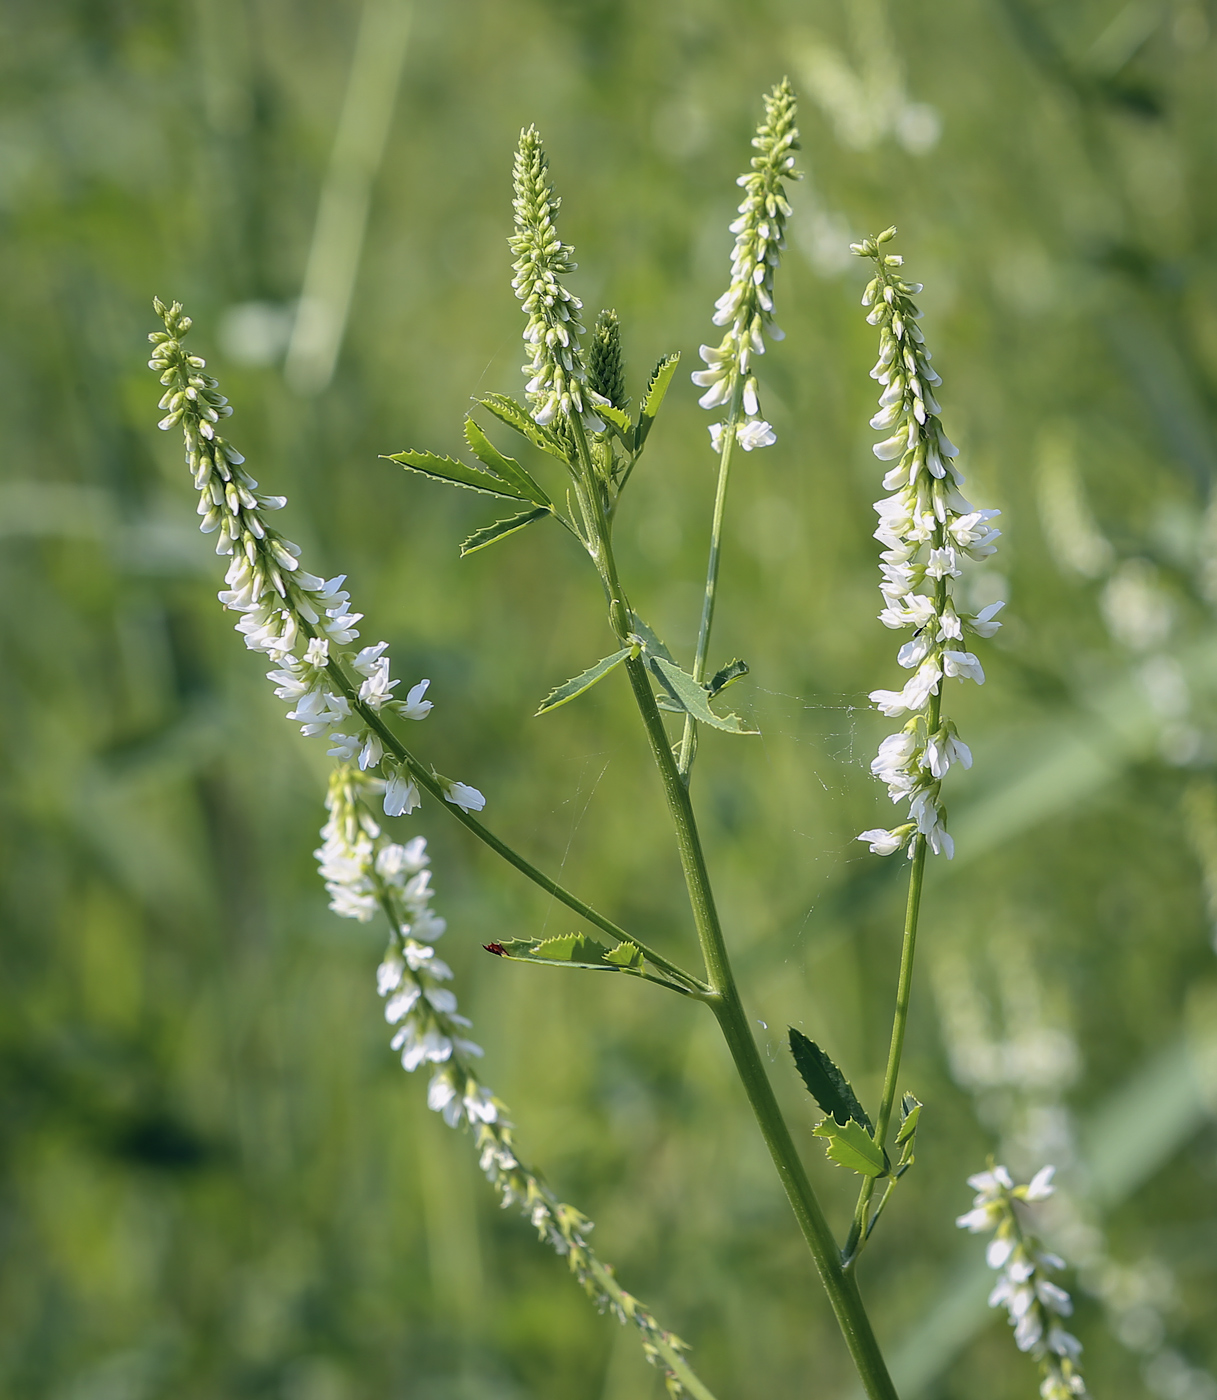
729, 674
573, 950
825, 1082
517, 417
690, 696
501, 529
851, 1146
618, 420
657, 387
505, 468
456, 473
583, 681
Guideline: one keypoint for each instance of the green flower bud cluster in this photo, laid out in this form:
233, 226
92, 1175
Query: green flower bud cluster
746, 307
605, 367
556, 373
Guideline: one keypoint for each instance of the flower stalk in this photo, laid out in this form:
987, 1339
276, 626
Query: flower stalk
746, 308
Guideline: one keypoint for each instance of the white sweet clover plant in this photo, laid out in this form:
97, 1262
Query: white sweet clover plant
583, 447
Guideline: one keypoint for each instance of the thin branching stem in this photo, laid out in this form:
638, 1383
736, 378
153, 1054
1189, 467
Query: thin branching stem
688, 742
426, 779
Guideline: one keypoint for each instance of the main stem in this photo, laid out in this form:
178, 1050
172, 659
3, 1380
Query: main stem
724, 999
688, 742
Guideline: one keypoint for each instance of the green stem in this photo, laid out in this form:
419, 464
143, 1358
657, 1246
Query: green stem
733, 1022
860, 1231
426, 779
724, 1001
903, 989
688, 742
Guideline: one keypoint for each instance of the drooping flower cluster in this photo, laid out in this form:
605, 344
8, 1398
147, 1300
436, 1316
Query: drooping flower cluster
1034, 1303
557, 377
365, 872
301, 622
746, 307
927, 528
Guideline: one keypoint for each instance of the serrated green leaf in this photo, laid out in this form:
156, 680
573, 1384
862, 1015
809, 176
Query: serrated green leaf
729, 674
583, 682
618, 419
657, 387
910, 1112
505, 468
501, 529
690, 696
456, 473
518, 418
851, 1146
825, 1082
651, 643
571, 949
625, 955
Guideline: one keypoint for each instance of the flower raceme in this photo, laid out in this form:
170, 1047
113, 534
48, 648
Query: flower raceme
366, 872
301, 622
557, 382
746, 307
927, 529
1033, 1302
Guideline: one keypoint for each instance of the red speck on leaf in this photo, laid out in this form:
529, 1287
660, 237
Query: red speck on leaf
495, 948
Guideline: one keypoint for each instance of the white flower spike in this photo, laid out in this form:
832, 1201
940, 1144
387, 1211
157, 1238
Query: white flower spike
926, 529
746, 307
1034, 1303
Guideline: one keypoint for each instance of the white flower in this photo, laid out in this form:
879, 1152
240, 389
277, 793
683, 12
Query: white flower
963, 665
345, 747
1040, 1187
984, 624
755, 433
401, 794
368, 658
915, 652
882, 843
943, 563
461, 795
372, 752
414, 706
943, 749
377, 688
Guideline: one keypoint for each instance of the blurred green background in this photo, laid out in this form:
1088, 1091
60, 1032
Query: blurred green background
215, 1180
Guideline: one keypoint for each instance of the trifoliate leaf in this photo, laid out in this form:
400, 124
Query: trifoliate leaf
853, 1147
730, 673
506, 468
517, 417
501, 529
690, 695
583, 682
825, 1082
457, 474
657, 387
